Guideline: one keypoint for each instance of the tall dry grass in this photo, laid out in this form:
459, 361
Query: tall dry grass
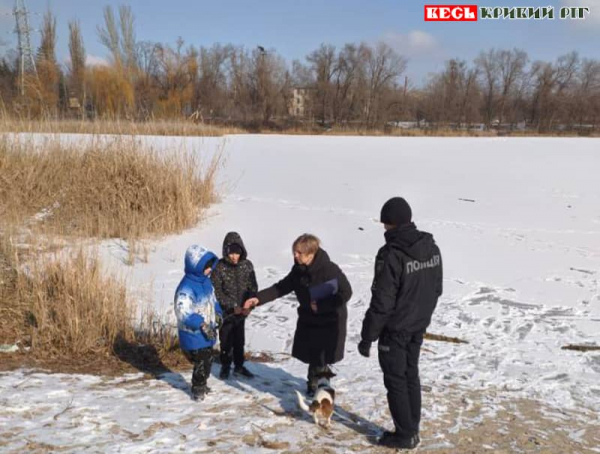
103, 188
61, 304
12, 308
65, 306
75, 310
182, 127
119, 127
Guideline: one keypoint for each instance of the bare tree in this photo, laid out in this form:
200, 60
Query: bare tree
128, 42
212, 90
77, 53
551, 86
8, 85
489, 69
110, 37
586, 105
146, 85
323, 67
266, 83
345, 83
383, 67
177, 79
48, 70
511, 65
453, 96
239, 63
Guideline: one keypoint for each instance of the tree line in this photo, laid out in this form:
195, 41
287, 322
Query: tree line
356, 86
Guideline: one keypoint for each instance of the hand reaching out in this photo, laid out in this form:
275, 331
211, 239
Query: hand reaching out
241, 311
250, 303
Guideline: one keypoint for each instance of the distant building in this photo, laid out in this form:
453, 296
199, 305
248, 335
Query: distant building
74, 103
299, 103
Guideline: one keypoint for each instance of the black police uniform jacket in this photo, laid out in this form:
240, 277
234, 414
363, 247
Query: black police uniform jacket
406, 285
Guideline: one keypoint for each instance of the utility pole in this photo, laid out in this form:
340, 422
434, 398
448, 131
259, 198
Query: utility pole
26, 59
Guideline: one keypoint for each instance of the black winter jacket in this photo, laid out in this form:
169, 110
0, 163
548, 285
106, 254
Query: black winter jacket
406, 285
233, 284
320, 336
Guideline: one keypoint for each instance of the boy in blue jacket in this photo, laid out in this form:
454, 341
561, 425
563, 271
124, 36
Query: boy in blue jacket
199, 316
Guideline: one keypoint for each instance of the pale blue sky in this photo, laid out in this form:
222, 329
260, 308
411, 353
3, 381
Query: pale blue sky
294, 27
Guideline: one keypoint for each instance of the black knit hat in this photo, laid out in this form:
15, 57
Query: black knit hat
396, 211
234, 248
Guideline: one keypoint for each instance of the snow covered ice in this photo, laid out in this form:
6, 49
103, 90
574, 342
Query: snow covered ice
518, 223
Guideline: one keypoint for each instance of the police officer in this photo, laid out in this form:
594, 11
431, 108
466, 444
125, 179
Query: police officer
405, 291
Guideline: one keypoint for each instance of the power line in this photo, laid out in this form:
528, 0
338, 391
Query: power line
23, 31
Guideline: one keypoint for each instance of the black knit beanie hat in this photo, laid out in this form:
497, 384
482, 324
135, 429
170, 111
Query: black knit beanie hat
396, 211
234, 248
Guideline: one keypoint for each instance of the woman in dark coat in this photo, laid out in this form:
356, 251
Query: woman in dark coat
322, 290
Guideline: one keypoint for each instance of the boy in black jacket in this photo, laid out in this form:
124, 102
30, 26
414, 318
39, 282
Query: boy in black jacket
234, 282
405, 291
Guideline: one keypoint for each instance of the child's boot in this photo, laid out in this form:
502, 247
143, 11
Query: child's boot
225, 371
199, 393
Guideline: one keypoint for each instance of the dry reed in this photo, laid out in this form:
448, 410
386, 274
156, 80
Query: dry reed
120, 127
103, 188
60, 304
182, 127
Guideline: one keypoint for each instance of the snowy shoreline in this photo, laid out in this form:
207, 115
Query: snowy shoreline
518, 224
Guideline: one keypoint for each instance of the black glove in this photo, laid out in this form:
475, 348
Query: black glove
364, 348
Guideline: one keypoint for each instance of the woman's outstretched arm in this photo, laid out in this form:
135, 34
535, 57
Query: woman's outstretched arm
281, 288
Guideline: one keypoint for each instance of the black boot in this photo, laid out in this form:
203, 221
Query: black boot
198, 394
225, 371
393, 440
241, 370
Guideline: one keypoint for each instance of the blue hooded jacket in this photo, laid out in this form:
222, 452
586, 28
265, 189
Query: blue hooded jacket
196, 306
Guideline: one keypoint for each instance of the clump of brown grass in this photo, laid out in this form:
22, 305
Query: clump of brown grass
63, 306
60, 305
153, 331
103, 188
12, 309
76, 310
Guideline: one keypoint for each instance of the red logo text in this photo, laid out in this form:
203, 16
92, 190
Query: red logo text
453, 13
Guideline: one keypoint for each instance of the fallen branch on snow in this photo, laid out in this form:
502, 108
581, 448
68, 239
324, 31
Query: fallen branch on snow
441, 338
581, 348
68, 407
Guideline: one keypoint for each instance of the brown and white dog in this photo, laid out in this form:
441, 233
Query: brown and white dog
322, 405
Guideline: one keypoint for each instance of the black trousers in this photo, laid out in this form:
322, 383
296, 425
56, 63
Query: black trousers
233, 337
202, 361
399, 361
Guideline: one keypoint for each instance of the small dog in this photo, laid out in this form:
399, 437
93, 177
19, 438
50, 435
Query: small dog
322, 405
